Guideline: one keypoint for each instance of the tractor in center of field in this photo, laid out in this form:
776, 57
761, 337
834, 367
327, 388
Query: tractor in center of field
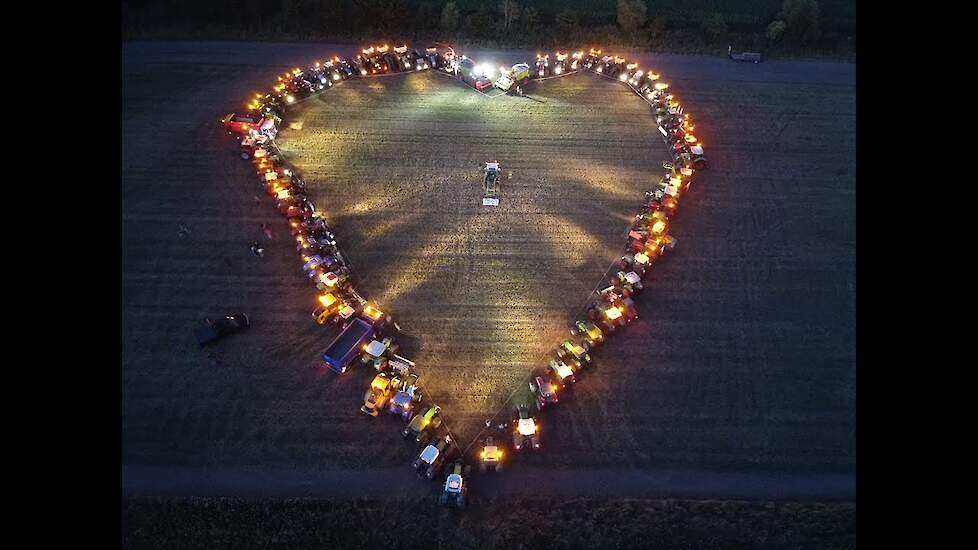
490, 192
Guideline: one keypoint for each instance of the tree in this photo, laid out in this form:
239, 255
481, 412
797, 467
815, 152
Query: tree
531, 20
631, 15
568, 24
775, 31
449, 18
801, 22
510, 10
480, 22
715, 28
657, 28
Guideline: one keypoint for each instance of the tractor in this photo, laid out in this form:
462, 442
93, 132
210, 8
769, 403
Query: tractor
491, 456
526, 430
542, 66
407, 398
561, 372
573, 354
455, 487
560, 63
490, 193
544, 391
591, 334
431, 460
380, 391
423, 424
378, 352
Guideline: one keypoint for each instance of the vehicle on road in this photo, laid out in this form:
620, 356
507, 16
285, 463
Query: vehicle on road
747, 57
219, 328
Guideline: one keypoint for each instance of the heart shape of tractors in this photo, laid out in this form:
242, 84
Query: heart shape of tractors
368, 335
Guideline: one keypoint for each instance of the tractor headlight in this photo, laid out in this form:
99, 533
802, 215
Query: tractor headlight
290, 99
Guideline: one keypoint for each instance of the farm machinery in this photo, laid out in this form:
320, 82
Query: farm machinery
526, 430
381, 388
517, 75
422, 425
455, 489
491, 456
490, 192
433, 457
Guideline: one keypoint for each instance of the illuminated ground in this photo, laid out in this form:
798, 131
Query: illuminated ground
488, 291
743, 358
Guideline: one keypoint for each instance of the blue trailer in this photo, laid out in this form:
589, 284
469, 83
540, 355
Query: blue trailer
347, 345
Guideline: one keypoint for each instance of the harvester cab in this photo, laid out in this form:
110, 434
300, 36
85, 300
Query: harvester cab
429, 463
491, 456
379, 392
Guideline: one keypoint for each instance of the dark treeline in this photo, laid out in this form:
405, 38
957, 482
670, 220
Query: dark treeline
776, 27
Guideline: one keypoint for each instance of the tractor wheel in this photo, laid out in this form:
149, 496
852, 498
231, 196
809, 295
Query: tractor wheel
482, 468
443, 499
460, 501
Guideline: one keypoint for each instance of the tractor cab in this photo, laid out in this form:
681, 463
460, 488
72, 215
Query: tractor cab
407, 397
491, 456
525, 430
544, 391
573, 353
455, 488
381, 388
562, 372
592, 334
422, 424
376, 352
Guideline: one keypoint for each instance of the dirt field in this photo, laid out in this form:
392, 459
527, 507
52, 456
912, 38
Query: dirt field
743, 358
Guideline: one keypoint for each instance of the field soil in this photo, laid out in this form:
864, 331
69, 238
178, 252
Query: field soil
743, 359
